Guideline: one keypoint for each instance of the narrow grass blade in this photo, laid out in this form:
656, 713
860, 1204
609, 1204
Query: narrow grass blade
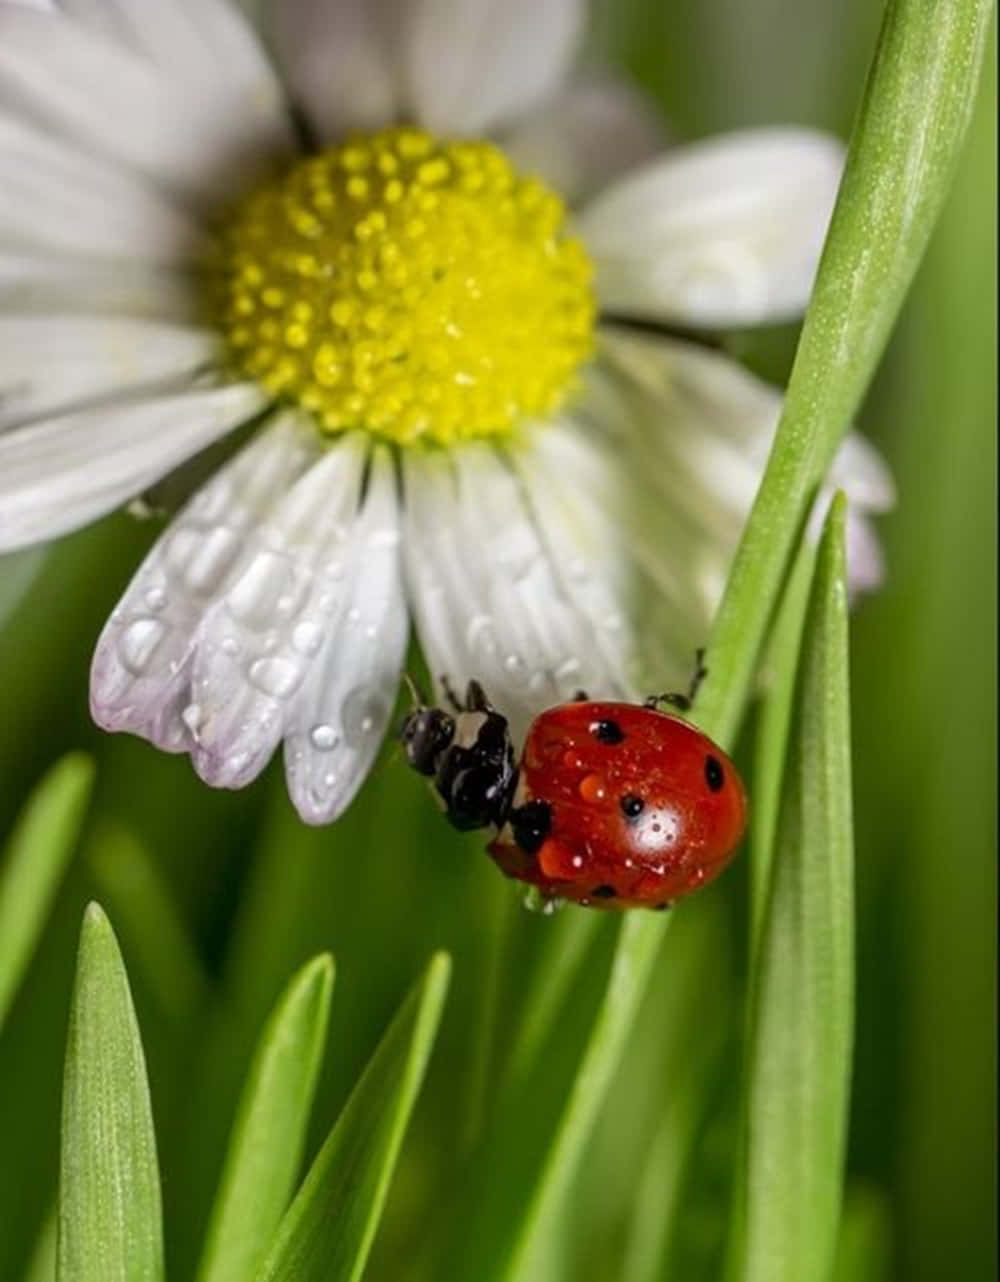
130, 883
33, 863
270, 1128
328, 1230
42, 1264
110, 1222
863, 1248
801, 1024
636, 952
780, 666
907, 137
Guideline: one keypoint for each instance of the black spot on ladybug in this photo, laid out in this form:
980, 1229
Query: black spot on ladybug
607, 731
632, 806
531, 824
714, 775
604, 892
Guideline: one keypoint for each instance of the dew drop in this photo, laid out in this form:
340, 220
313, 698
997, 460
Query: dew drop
193, 716
307, 637
155, 598
276, 676
138, 643
323, 737
229, 645
363, 710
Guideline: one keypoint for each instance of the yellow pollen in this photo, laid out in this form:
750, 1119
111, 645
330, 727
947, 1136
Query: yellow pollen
414, 287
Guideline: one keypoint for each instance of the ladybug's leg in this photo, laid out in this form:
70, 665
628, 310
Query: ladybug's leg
581, 696
475, 698
676, 699
450, 695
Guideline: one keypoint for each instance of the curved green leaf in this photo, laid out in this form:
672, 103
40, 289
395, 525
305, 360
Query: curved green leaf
328, 1230
270, 1128
110, 1220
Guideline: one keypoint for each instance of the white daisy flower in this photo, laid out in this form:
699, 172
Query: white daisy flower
461, 406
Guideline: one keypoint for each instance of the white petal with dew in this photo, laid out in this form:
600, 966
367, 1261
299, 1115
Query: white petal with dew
341, 61
591, 131
50, 363
258, 642
56, 196
35, 281
59, 473
341, 713
473, 65
486, 596
722, 233
141, 675
115, 103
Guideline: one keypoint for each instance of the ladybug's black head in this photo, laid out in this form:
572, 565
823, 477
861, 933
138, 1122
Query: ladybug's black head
425, 735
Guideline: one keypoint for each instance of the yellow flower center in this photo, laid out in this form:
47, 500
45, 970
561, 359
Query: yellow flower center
407, 285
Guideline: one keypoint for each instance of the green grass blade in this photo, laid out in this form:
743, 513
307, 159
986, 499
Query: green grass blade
269, 1133
328, 1230
863, 1248
781, 664
33, 863
42, 1264
913, 119
159, 944
110, 1221
637, 950
801, 1025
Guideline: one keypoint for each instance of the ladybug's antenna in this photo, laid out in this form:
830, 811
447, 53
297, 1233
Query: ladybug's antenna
416, 697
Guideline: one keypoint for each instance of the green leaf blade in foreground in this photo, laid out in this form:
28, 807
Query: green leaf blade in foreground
270, 1128
110, 1219
33, 863
328, 1230
801, 1025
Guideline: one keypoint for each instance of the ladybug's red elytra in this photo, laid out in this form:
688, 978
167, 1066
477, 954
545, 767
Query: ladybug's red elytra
612, 805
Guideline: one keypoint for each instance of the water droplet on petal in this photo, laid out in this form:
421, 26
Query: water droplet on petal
276, 676
323, 737
155, 598
193, 716
362, 712
229, 645
138, 643
307, 637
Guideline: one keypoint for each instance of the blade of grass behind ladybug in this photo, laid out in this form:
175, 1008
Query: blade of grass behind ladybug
802, 998
33, 862
864, 1242
327, 1232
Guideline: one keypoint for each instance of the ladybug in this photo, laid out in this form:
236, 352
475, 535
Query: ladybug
612, 805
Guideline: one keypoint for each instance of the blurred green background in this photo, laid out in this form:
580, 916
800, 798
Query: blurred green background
256, 893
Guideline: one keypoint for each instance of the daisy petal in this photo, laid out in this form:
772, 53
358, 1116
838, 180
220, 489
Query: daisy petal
114, 103
259, 641
35, 281
47, 363
141, 675
60, 473
343, 709
340, 60
721, 233
475, 64
56, 196
590, 132
204, 43
485, 593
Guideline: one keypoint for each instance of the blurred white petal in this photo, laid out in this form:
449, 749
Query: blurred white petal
115, 103
258, 642
485, 594
473, 65
721, 233
49, 363
60, 473
55, 196
341, 60
588, 133
342, 710
141, 674
34, 281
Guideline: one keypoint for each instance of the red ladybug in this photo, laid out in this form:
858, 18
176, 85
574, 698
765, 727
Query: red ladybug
613, 805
